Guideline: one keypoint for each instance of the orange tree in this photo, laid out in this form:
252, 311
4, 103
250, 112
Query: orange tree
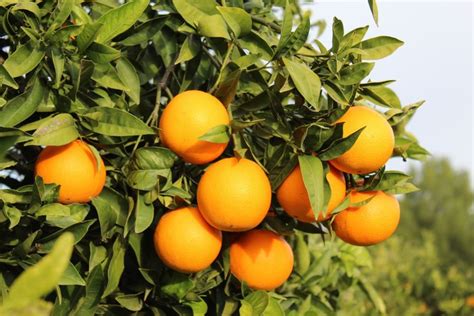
200, 110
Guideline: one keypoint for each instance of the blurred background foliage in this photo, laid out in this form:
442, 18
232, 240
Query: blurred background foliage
425, 268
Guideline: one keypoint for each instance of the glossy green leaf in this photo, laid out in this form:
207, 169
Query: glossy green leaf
144, 214
306, 81
254, 304
101, 53
355, 73
219, 134
114, 122
381, 95
120, 19
24, 59
189, 50
55, 131
23, 106
71, 277
128, 75
148, 165
313, 178
379, 47
238, 20
374, 10
22, 293
340, 146
116, 266
6, 78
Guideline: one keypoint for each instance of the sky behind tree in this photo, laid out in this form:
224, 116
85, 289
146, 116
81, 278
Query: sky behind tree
435, 64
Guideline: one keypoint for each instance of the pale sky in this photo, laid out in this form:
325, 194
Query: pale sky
435, 64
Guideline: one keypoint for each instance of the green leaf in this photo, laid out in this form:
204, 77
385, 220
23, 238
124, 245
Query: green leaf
128, 75
213, 26
374, 10
23, 106
254, 304
286, 27
395, 182
204, 16
114, 122
144, 32
88, 35
354, 74
302, 255
107, 76
189, 49
238, 20
58, 62
342, 206
78, 230
32, 283
132, 302
176, 285
13, 214
55, 131
61, 13
337, 34
273, 308
112, 209
148, 165
353, 38
379, 47
313, 178
116, 266
199, 307
144, 214
24, 59
219, 134
94, 288
340, 146
256, 45
306, 81
101, 53
71, 277
6, 78
118, 20
335, 92
381, 95
368, 288
63, 216
296, 40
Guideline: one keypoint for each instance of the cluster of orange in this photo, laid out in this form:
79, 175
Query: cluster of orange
234, 195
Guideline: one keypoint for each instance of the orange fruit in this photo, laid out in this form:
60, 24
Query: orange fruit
188, 116
374, 146
234, 194
368, 224
75, 168
185, 242
262, 259
293, 197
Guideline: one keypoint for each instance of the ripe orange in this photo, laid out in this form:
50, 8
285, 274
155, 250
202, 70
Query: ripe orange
188, 116
234, 194
374, 146
185, 242
368, 224
293, 197
262, 259
74, 168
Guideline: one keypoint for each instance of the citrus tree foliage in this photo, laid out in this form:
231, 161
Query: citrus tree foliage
104, 70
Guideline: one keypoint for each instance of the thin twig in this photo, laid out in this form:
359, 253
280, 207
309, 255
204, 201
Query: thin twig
272, 25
